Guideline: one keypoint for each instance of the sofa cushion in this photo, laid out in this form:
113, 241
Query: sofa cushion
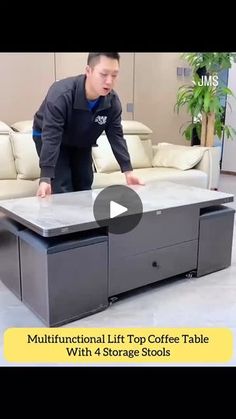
4, 128
138, 153
190, 177
26, 158
136, 128
18, 188
105, 161
7, 164
22, 126
148, 148
178, 157
103, 180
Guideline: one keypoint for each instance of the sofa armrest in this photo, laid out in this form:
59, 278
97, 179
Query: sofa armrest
210, 164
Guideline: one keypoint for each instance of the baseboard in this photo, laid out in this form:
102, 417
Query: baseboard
226, 172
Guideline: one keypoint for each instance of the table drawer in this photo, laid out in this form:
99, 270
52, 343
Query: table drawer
156, 230
138, 270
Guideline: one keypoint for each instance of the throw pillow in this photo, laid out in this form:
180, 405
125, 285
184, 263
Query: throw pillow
105, 161
178, 157
26, 158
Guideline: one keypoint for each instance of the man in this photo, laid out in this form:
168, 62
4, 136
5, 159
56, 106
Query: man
68, 123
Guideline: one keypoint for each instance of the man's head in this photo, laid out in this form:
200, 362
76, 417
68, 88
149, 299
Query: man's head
101, 73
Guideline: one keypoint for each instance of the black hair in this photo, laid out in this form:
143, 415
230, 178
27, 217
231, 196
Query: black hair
94, 57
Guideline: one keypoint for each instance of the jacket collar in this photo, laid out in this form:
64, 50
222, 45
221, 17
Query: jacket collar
80, 101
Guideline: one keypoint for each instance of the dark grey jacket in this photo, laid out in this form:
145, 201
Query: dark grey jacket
64, 117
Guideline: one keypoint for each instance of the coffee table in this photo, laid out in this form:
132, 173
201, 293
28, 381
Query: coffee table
70, 266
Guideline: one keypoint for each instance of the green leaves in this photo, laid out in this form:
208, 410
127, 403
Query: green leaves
204, 96
188, 132
229, 132
212, 61
199, 99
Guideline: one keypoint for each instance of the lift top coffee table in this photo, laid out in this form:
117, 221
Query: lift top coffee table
71, 264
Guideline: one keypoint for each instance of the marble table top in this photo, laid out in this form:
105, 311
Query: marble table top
69, 212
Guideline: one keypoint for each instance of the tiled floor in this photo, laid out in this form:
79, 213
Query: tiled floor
209, 301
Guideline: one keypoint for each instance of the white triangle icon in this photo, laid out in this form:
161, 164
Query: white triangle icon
116, 209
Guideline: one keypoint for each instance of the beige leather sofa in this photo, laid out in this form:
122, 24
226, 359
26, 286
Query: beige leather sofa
196, 166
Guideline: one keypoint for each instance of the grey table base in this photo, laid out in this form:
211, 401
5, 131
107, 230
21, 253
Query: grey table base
215, 239
65, 280
75, 269
10, 272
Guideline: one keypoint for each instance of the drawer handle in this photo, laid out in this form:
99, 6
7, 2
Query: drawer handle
155, 264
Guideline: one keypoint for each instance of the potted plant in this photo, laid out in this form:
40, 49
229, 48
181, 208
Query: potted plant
203, 98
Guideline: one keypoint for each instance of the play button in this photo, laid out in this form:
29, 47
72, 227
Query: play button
116, 209
119, 208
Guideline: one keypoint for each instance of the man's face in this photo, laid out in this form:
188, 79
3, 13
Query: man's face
102, 77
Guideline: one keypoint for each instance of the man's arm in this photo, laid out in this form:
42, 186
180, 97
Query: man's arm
114, 132
52, 131
116, 139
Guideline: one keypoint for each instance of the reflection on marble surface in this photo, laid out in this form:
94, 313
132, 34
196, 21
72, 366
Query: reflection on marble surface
76, 208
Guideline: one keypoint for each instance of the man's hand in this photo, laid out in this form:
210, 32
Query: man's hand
133, 180
44, 189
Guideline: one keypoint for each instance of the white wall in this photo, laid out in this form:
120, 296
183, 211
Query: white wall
155, 90
24, 81
229, 151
